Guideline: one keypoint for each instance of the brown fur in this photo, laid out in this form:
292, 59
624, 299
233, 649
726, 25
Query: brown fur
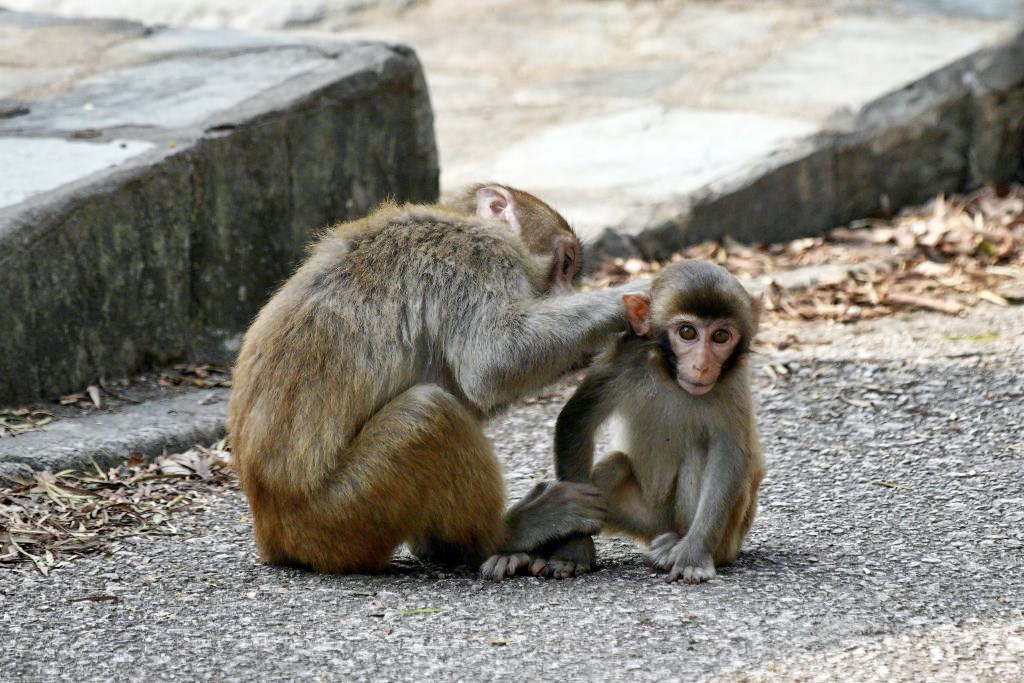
361, 388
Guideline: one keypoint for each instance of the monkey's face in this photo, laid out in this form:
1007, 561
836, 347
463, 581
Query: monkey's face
701, 348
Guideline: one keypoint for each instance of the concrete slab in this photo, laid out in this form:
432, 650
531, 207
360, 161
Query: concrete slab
172, 93
633, 157
563, 107
159, 184
33, 170
852, 61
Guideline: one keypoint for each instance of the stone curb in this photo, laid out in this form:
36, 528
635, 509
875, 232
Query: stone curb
170, 424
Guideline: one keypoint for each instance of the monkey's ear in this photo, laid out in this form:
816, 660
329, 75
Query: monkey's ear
495, 201
757, 308
638, 312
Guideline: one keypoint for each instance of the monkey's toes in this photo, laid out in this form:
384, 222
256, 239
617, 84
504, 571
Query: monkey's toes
690, 574
501, 567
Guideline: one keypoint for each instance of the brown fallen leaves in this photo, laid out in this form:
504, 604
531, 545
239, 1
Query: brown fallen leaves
15, 420
53, 518
945, 256
203, 375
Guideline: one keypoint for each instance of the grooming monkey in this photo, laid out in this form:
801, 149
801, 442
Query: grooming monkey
687, 463
361, 388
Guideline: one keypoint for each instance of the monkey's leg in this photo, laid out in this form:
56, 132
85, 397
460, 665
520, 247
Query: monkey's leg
421, 470
627, 510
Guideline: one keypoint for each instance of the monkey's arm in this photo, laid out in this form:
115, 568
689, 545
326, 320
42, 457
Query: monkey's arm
553, 510
582, 416
691, 557
525, 345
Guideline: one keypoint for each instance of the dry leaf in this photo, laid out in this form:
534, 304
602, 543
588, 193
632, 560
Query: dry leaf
993, 298
858, 402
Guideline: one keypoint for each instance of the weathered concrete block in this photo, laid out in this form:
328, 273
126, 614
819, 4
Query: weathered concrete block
148, 210
951, 131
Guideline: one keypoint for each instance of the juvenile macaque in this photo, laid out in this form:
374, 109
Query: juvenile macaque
687, 462
361, 388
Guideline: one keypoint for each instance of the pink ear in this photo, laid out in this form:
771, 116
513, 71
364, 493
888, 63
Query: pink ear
638, 312
495, 201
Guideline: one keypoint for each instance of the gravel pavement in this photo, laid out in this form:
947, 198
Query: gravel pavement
889, 545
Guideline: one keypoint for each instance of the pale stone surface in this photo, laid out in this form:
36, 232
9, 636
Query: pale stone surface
35, 165
627, 158
171, 93
852, 61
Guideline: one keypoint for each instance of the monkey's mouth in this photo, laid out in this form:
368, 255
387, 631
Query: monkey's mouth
695, 388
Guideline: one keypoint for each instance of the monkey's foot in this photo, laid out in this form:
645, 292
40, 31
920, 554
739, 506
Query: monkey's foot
683, 558
558, 569
565, 558
501, 567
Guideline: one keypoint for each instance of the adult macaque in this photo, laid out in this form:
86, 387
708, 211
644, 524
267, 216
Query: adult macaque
361, 387
687, 463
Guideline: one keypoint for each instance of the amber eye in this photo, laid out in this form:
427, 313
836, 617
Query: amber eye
687, 332
720, 336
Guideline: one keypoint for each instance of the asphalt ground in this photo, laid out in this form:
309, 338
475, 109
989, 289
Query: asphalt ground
889, 545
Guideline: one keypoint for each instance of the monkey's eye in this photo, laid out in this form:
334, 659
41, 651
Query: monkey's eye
687, 332
720, 336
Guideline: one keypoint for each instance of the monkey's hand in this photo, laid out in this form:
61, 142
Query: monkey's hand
550, 513
554, 510
684, 558
565, 558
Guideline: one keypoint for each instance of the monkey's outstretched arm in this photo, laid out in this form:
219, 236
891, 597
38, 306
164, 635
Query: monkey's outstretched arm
577, 424
524, 346
553, 510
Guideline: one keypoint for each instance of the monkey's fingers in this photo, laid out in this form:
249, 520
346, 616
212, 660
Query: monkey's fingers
582, 490
659, 554
571, 557
501, 567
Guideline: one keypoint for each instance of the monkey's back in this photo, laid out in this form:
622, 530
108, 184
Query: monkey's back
366, 317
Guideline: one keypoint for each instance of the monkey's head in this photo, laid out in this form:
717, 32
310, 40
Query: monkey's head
701, 320
546, 234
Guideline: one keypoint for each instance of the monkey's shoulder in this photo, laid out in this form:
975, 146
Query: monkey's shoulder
427, 227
